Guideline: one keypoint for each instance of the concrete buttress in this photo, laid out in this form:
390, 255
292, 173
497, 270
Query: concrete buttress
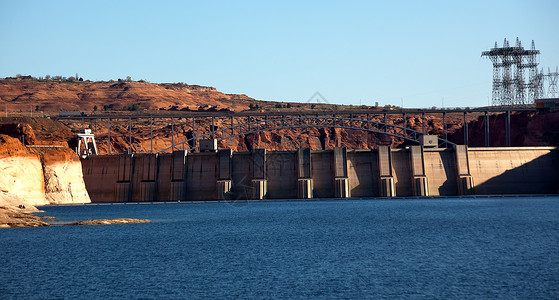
341, 180
419, 180
259, 182
386, 184
123, 186
304, 177
146, 167
178, 171
464, 177
224, 174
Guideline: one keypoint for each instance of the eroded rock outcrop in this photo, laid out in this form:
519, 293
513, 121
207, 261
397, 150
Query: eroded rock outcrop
15, 217
63, 175
40, 175
110, 221
21, 173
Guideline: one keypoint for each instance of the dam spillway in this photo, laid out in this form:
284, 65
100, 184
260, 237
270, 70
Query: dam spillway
337, 173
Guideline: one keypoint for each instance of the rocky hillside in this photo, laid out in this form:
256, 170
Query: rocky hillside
28, 94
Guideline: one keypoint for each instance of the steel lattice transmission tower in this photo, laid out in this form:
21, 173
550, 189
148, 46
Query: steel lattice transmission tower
553, 77
509, 84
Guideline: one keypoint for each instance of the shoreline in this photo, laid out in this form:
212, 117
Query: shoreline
303, 200
11, 217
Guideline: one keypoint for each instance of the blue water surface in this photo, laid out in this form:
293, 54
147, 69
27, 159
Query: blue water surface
352, 249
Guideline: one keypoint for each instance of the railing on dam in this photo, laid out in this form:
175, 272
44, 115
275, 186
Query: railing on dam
407, 124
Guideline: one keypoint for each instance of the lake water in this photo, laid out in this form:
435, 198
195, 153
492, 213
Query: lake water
353, 249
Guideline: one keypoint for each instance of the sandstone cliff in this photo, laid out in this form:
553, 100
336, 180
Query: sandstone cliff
39, 175
21, 172
62, 171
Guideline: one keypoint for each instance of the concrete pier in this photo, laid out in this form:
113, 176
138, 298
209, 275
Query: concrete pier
341, 180
259, 187
123, 186
224, 179
465, 180
387, 188
178, 182
419, 180
304, 172
147, 172
338, 173
259, 182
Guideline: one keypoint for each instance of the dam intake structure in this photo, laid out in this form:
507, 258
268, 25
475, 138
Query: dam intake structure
306, 174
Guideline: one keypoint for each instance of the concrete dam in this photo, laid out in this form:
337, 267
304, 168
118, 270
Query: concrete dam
337, 173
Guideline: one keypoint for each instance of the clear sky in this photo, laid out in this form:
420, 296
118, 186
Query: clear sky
419, 53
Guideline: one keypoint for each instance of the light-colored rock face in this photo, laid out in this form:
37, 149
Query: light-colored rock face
39, 175
64, 183
11, 201
23, 176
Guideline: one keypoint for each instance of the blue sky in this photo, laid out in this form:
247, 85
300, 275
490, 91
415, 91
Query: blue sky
419, 53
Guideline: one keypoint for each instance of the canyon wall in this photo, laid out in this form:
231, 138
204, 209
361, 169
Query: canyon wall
21, 173
39, 174
63, 176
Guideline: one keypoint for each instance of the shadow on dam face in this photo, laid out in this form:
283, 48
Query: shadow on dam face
304, 174
449, 186
537, 176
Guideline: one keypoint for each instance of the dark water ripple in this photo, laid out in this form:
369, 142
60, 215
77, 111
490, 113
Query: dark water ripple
443, 248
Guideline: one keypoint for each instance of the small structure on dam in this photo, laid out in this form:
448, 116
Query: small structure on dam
88, 140
337, 173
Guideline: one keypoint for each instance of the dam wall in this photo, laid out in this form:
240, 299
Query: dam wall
338, 173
